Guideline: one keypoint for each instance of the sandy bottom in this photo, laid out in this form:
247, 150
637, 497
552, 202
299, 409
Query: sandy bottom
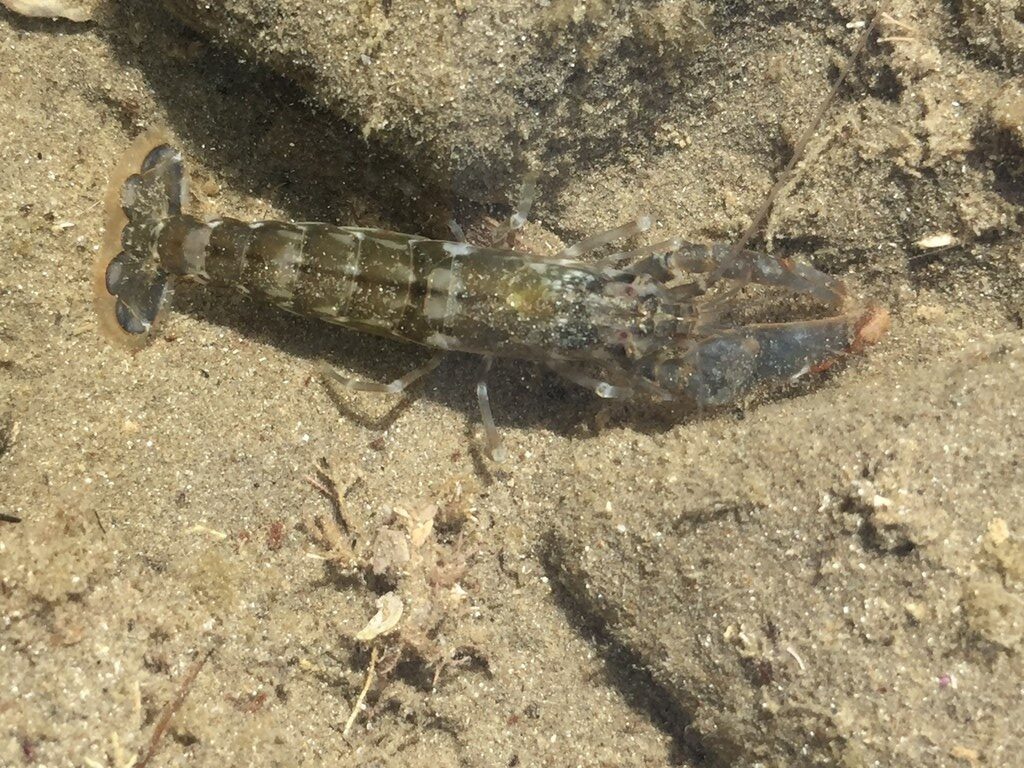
830, 574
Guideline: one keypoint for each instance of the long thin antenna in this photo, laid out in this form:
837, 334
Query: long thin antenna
798, 151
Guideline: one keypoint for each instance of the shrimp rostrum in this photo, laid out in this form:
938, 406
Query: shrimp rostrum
648, 323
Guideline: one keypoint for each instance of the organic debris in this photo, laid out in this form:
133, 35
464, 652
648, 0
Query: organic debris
332, 532
358, 706
171, 708
422, 599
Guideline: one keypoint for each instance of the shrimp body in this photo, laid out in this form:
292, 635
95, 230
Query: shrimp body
635, 324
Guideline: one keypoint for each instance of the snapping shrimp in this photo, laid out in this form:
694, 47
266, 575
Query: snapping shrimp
634, 324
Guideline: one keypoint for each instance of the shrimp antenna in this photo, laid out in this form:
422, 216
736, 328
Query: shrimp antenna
798, 152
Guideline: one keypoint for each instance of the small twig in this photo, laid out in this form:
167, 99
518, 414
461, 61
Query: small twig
103, 528
171, 708
200, 528
370, 671
5, 518
888, 18
88, 208
328, 488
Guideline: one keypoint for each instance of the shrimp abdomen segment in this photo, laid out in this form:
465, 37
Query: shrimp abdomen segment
360, 278
446, 295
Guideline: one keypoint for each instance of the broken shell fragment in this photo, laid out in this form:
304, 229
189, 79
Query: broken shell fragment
421, 525
50, 9
389, 613
939, 240
390, 553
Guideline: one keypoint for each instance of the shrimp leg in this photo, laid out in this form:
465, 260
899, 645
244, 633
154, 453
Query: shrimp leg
592, 243
495, 448
595, 385
527, 194
392, 388
668, 259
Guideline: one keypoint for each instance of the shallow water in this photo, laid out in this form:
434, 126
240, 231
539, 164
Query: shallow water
827, 574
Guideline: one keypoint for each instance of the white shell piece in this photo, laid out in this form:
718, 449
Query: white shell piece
938, 240
389, 613
51, 9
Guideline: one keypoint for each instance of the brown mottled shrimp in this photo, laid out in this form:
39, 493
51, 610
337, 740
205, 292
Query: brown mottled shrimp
635, 324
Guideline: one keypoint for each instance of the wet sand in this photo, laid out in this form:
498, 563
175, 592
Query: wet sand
831, 573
